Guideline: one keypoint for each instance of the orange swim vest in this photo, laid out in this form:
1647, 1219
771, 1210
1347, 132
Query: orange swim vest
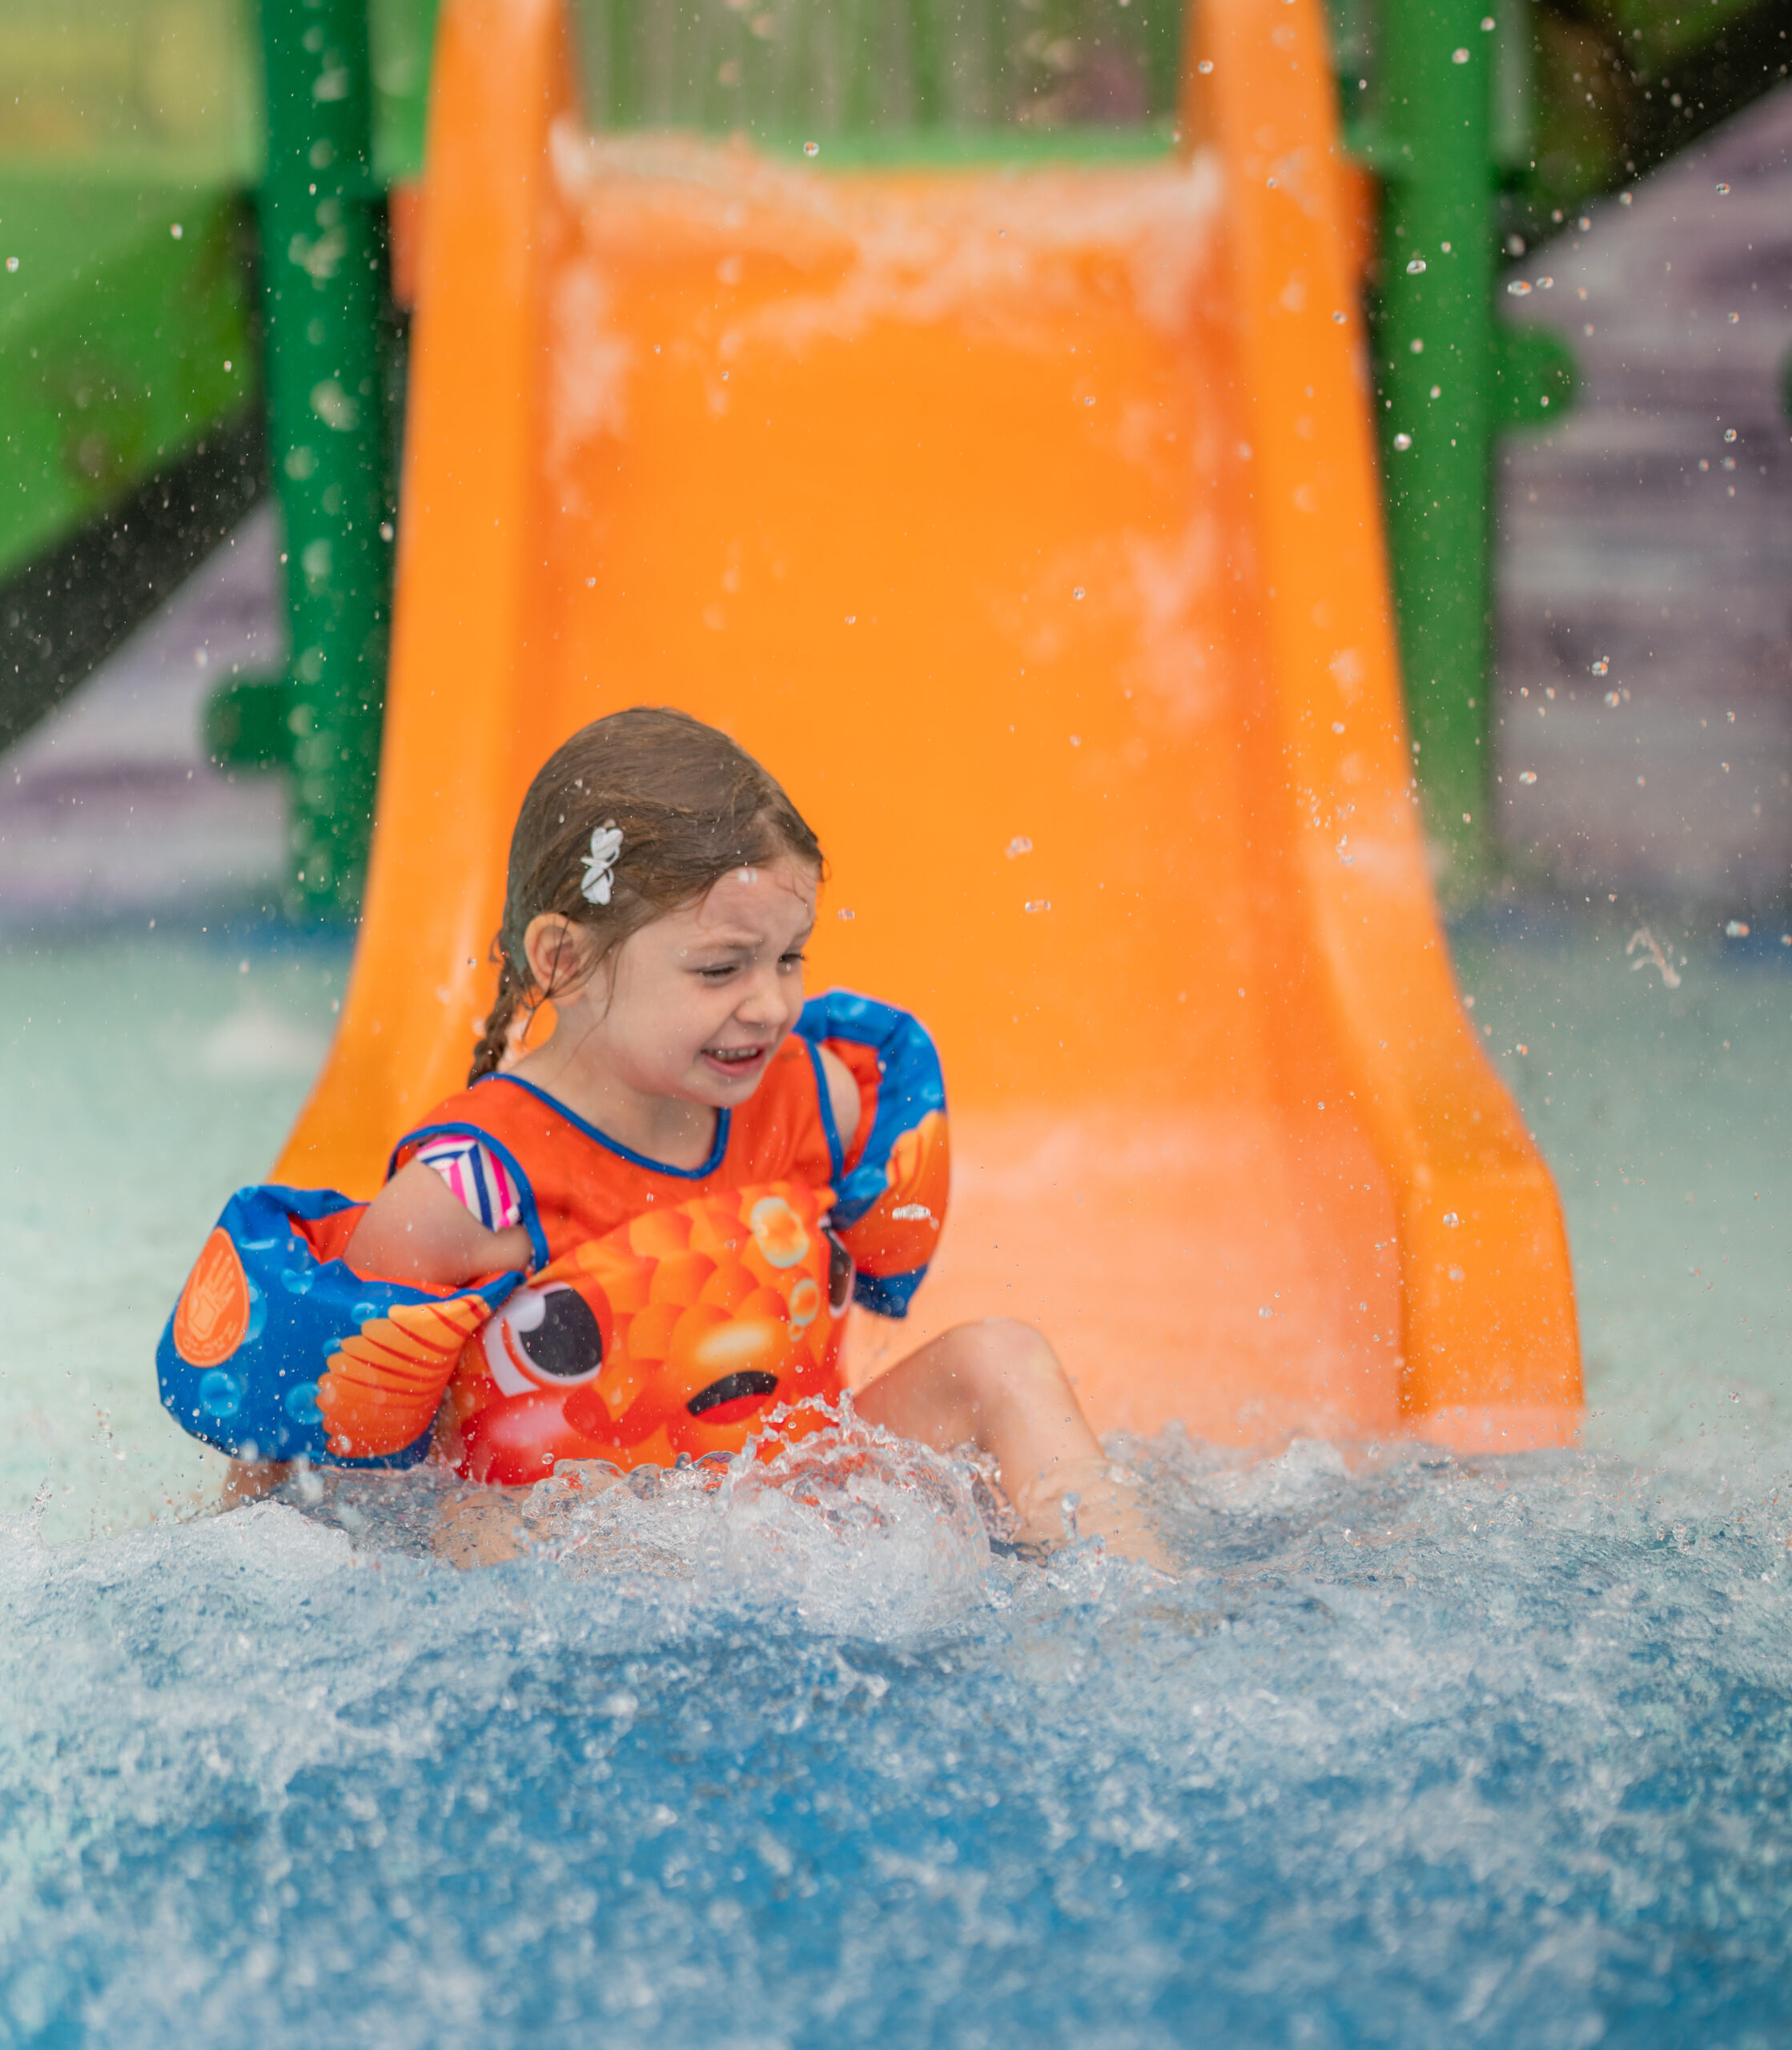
666, 1311
572, 1183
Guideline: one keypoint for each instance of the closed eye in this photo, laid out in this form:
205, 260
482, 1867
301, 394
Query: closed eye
792, 960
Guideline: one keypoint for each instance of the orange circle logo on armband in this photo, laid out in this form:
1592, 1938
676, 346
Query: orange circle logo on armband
211, 1318
682, 1331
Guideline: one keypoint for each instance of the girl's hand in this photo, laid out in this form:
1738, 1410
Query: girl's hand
417, 1231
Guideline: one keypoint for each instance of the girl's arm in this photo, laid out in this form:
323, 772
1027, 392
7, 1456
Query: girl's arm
842, 1096
416, 1230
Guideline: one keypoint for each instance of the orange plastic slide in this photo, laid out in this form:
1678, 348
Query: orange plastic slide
1026, 524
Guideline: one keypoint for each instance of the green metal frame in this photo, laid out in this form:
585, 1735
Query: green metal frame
1434, 330
1449, 107
324, 287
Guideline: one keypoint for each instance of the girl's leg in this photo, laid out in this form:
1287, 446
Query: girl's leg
249, 1480
1000, 1386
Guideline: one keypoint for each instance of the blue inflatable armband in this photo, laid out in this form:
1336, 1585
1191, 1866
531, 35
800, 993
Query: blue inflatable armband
268, 1308
890, 1206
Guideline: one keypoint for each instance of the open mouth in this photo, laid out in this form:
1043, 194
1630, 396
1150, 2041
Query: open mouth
734, 1056
733, 1398
735, 1060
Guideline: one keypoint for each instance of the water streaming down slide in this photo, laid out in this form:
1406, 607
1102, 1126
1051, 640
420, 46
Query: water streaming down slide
1026, 524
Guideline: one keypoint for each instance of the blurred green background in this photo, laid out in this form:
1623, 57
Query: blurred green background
169, 91
132, 139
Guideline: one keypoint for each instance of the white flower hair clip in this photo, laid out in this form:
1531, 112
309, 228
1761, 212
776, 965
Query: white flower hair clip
599, 864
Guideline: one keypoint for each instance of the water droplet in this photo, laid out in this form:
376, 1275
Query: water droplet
1451, 1218
1729, 434
1527, 775
852, 619
812, 149
1204, 67
1456, 1274
1487, 24
301, 1404
1735, 318
220, 1394
1339, 317
1612, 698
591, 583
1415, 266
1523, 1048
1266, 1311
1459, 56
176, 230
843, 913
1337, 725
1737, 929
1403, 441
12, 263
1520, 288
1088, 402
1076, 740
1723, 188
1416, 345
1019, 844
1038, 903
1078, 591
1601, 666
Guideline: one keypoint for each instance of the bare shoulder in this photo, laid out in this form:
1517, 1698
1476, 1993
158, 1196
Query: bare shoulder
415, 1230
842, 1095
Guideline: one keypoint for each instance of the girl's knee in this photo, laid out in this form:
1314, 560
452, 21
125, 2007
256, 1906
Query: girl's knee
1002, 1349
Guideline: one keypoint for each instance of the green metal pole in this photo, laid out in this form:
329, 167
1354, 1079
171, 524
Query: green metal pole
323, 261
1435, 347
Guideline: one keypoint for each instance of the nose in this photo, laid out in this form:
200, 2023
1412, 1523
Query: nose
765, 1000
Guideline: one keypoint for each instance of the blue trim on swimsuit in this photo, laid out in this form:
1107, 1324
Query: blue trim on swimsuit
615, 1145
823, 1102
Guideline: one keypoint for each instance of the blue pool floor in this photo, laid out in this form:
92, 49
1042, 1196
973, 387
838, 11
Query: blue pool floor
1419, 1750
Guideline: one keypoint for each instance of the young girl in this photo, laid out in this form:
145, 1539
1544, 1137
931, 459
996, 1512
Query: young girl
637, 1237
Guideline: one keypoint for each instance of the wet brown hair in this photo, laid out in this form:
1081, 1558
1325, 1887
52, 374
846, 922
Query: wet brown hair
690, 806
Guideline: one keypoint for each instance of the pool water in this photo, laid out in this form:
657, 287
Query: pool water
1418, 1751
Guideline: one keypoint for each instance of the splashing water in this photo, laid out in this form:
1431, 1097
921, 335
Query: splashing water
1417, 1751
1433, 1750
1652, 956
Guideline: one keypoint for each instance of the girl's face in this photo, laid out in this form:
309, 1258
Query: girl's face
702, 997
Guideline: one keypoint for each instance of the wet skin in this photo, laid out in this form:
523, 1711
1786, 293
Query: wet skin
679, 1025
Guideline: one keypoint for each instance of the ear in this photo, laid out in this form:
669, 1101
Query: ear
558, 962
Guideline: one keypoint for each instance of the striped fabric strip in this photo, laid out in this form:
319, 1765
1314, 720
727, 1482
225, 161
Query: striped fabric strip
476, 1177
